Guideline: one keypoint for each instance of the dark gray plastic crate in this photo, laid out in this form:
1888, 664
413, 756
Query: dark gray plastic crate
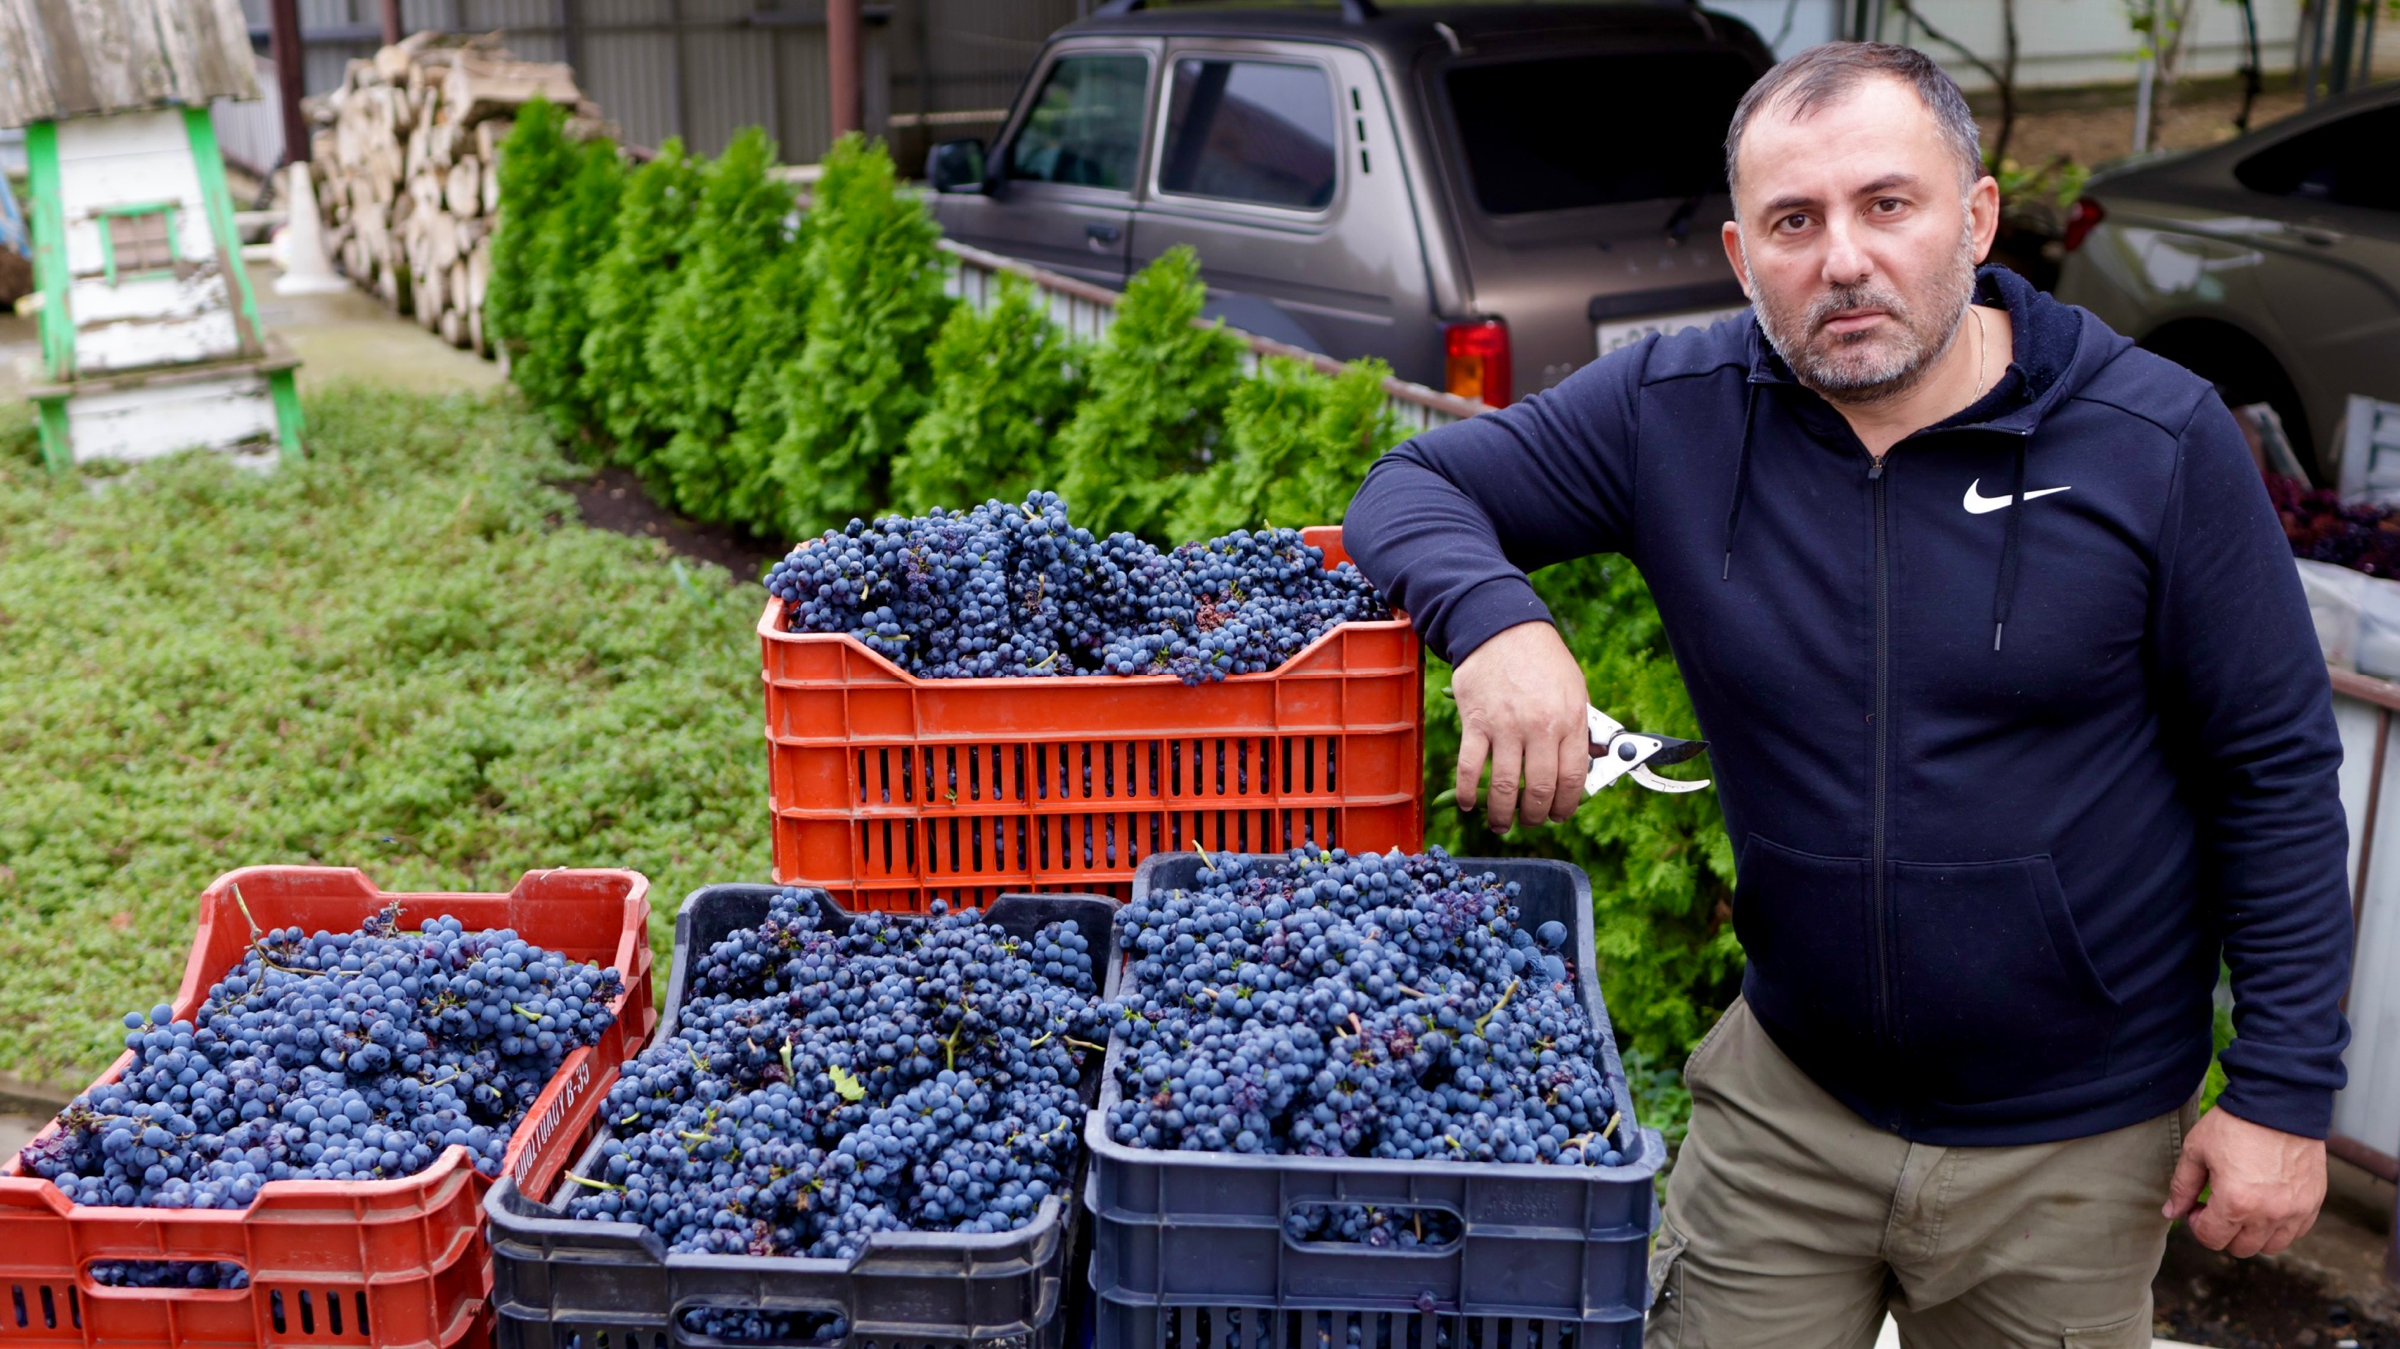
561, 1283
1189, 1249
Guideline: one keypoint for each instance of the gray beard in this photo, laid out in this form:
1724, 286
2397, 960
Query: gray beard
1837, 367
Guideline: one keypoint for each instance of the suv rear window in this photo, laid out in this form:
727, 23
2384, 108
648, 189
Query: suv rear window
1566, 132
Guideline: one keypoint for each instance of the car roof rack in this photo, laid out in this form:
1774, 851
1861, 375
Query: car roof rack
1353, 11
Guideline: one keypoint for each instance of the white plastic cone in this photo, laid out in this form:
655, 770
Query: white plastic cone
305, 268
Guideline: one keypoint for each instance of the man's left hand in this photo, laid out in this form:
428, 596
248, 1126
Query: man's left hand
2264, 1185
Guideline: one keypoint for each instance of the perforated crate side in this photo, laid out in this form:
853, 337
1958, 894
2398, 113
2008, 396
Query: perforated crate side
392, 1263
1175, 1229
1253, 1326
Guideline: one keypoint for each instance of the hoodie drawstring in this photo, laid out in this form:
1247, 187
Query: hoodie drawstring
2005, 593
1741, 481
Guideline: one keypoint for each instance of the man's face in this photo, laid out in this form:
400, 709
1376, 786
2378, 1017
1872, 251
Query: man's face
1855, 241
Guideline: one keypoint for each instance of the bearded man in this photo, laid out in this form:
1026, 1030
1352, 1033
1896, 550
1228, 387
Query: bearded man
2017, 720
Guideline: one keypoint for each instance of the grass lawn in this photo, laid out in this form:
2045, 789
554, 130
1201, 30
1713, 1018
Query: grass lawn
405, 654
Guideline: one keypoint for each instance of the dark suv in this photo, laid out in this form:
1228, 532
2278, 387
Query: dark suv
1487, 196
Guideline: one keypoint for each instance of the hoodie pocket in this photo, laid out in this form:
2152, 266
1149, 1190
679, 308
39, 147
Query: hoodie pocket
1809, 936
1998, 997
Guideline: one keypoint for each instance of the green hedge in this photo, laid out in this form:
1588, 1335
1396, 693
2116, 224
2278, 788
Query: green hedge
800, 368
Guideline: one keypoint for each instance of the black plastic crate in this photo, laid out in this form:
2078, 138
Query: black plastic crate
562, 1283
1189, 1249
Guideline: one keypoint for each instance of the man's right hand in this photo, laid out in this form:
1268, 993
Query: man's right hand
1521, 704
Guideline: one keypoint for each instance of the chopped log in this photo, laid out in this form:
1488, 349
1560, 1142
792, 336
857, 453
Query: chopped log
463, 189
482, 85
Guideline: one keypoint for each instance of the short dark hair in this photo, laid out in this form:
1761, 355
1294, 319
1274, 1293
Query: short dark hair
1824, 74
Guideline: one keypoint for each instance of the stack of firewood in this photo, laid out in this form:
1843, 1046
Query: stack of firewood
405, 161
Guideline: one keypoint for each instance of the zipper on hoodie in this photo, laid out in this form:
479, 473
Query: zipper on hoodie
1886, 1033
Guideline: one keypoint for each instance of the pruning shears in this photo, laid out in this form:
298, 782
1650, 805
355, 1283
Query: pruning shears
1617, 752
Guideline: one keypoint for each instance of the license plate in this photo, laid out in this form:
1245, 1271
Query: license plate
1626, 332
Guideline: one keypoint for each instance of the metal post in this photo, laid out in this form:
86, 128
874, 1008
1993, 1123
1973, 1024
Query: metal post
567, 44
391, 22
842, 65
2345, 43
291, 73
2366, 47
2312, 43
683, 116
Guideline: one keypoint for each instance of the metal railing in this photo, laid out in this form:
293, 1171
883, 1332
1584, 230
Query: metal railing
1087, 311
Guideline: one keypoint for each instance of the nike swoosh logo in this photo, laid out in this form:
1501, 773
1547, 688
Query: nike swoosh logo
1979, 504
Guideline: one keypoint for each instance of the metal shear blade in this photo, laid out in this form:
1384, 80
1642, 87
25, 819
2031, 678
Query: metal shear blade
1617, 752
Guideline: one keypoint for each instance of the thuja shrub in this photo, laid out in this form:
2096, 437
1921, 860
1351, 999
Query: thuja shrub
1300, 443
654, 234
553, 229
1159, 387
864, 375
1004, 382
734, 311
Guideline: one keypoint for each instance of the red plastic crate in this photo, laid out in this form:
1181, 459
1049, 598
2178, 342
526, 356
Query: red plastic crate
400, 1263
890, 791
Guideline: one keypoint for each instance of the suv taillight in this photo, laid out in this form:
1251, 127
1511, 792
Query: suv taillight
2084, 214
1475, 360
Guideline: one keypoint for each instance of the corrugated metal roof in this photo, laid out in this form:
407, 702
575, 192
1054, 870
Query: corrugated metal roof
73, 58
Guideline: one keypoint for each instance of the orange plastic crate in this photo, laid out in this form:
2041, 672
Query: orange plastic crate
890, 791
401, 1263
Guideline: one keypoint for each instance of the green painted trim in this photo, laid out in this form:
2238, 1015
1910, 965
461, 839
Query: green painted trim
57, 450
108, 241
287, 412
219, 198
50, 250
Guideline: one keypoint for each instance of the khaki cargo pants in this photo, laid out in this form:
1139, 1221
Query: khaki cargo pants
1792, 1223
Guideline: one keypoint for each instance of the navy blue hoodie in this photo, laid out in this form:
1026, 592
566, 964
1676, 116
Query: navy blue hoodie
2001, 780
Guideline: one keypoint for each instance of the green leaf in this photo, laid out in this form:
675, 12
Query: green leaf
845, 1084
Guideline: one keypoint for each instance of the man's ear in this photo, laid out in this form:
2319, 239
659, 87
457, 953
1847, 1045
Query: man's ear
1732, 234
1983, 212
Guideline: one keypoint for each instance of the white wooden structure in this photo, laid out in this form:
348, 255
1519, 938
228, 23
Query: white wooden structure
150, 336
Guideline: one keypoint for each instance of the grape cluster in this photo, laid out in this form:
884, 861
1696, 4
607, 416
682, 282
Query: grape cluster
907, 1074
1330, 1005
339, 1056
737, 1325
1374, 1225
169, 1274
2324, 528
1017, 591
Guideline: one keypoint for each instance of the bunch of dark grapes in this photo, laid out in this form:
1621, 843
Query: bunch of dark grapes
738, 1325
1374, 1225
2323, 528
339, 1056
1017, 591
169, 1274
1366, 1006
909, 1074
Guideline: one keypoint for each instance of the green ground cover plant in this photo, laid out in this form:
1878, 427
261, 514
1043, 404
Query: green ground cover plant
401, 653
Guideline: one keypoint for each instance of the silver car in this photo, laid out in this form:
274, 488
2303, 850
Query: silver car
2269, 264
1486, 196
